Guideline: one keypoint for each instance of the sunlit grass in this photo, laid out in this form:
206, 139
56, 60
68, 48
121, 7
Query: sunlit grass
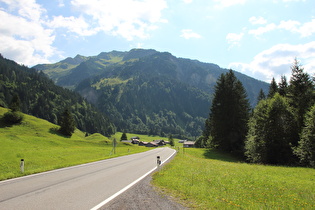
42, 148
223, 183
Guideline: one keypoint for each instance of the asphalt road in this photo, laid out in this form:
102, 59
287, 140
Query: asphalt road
86, 186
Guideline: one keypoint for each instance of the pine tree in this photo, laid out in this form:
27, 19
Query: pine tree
229, 114
273, 88
67, 123
123, 136
283, 86
300, 92
261, 95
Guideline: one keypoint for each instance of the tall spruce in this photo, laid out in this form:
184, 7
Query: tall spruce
273, 88
229, 113
300, 92
283, 86
261, 95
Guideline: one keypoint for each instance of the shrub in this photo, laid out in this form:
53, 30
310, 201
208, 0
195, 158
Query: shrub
13, 117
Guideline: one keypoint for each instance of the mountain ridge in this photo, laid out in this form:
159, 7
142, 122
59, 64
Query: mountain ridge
174, 93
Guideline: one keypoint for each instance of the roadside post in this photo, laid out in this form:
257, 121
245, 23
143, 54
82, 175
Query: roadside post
22, 165
158, 160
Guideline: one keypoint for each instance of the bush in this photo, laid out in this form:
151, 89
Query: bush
13, 117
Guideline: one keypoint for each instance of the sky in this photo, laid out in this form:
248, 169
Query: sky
258, 38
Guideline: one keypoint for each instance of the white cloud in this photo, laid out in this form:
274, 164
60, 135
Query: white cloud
228, 3
126, 18
307, 29
234, 39
304, 29
73, 24
264, 29
257, 20
277, 60
24, 38
188, 34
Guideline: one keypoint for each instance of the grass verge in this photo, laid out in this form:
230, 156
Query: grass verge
204, 179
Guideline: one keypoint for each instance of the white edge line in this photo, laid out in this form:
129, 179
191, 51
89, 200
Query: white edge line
128, 186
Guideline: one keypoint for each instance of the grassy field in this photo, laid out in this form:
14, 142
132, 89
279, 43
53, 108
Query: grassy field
205, 179
42, 148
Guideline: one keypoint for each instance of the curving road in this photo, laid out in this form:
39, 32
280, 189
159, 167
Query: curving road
87, 186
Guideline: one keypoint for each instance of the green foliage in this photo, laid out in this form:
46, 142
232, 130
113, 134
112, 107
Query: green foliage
40, 97
67, 124
272, 131
171, 140
206, 179
229, 114
300, 92
124, 136
273, 89
11, 117
15, 104
306, 148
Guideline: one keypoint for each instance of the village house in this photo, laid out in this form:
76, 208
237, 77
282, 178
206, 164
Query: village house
189, 144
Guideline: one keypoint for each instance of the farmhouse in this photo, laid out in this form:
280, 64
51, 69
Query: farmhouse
189, 144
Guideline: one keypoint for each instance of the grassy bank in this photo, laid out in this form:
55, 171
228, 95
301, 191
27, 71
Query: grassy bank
209, 180
42, 148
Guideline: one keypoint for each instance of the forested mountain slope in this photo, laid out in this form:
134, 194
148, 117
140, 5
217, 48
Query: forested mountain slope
146, 91
40, 97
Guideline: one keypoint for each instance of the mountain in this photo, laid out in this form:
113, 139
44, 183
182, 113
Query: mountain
40, 97
147, 91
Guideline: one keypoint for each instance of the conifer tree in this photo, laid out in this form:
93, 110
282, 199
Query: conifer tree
67, 123
229, 114
123, 136
300, 92
261, 95
273, 88
283, 86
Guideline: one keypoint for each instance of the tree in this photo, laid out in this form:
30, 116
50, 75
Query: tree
229, 113
272, 130
67, 123
261, 95
283, 86
123, 136
15, 104
14, 116
300, 92
306, 148
171, 140
273, 88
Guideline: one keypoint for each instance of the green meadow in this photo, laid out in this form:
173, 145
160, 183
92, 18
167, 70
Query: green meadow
42, 148
206, 179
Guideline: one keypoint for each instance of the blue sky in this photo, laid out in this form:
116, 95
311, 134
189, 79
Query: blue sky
258, 38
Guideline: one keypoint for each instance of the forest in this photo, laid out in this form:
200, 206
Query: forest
278, 131
40, 97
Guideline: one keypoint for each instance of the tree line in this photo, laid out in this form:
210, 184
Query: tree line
279, 130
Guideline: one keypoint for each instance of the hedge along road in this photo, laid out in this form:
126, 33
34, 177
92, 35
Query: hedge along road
87, 186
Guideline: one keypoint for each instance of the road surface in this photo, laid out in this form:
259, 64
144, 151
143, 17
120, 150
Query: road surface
87, 186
